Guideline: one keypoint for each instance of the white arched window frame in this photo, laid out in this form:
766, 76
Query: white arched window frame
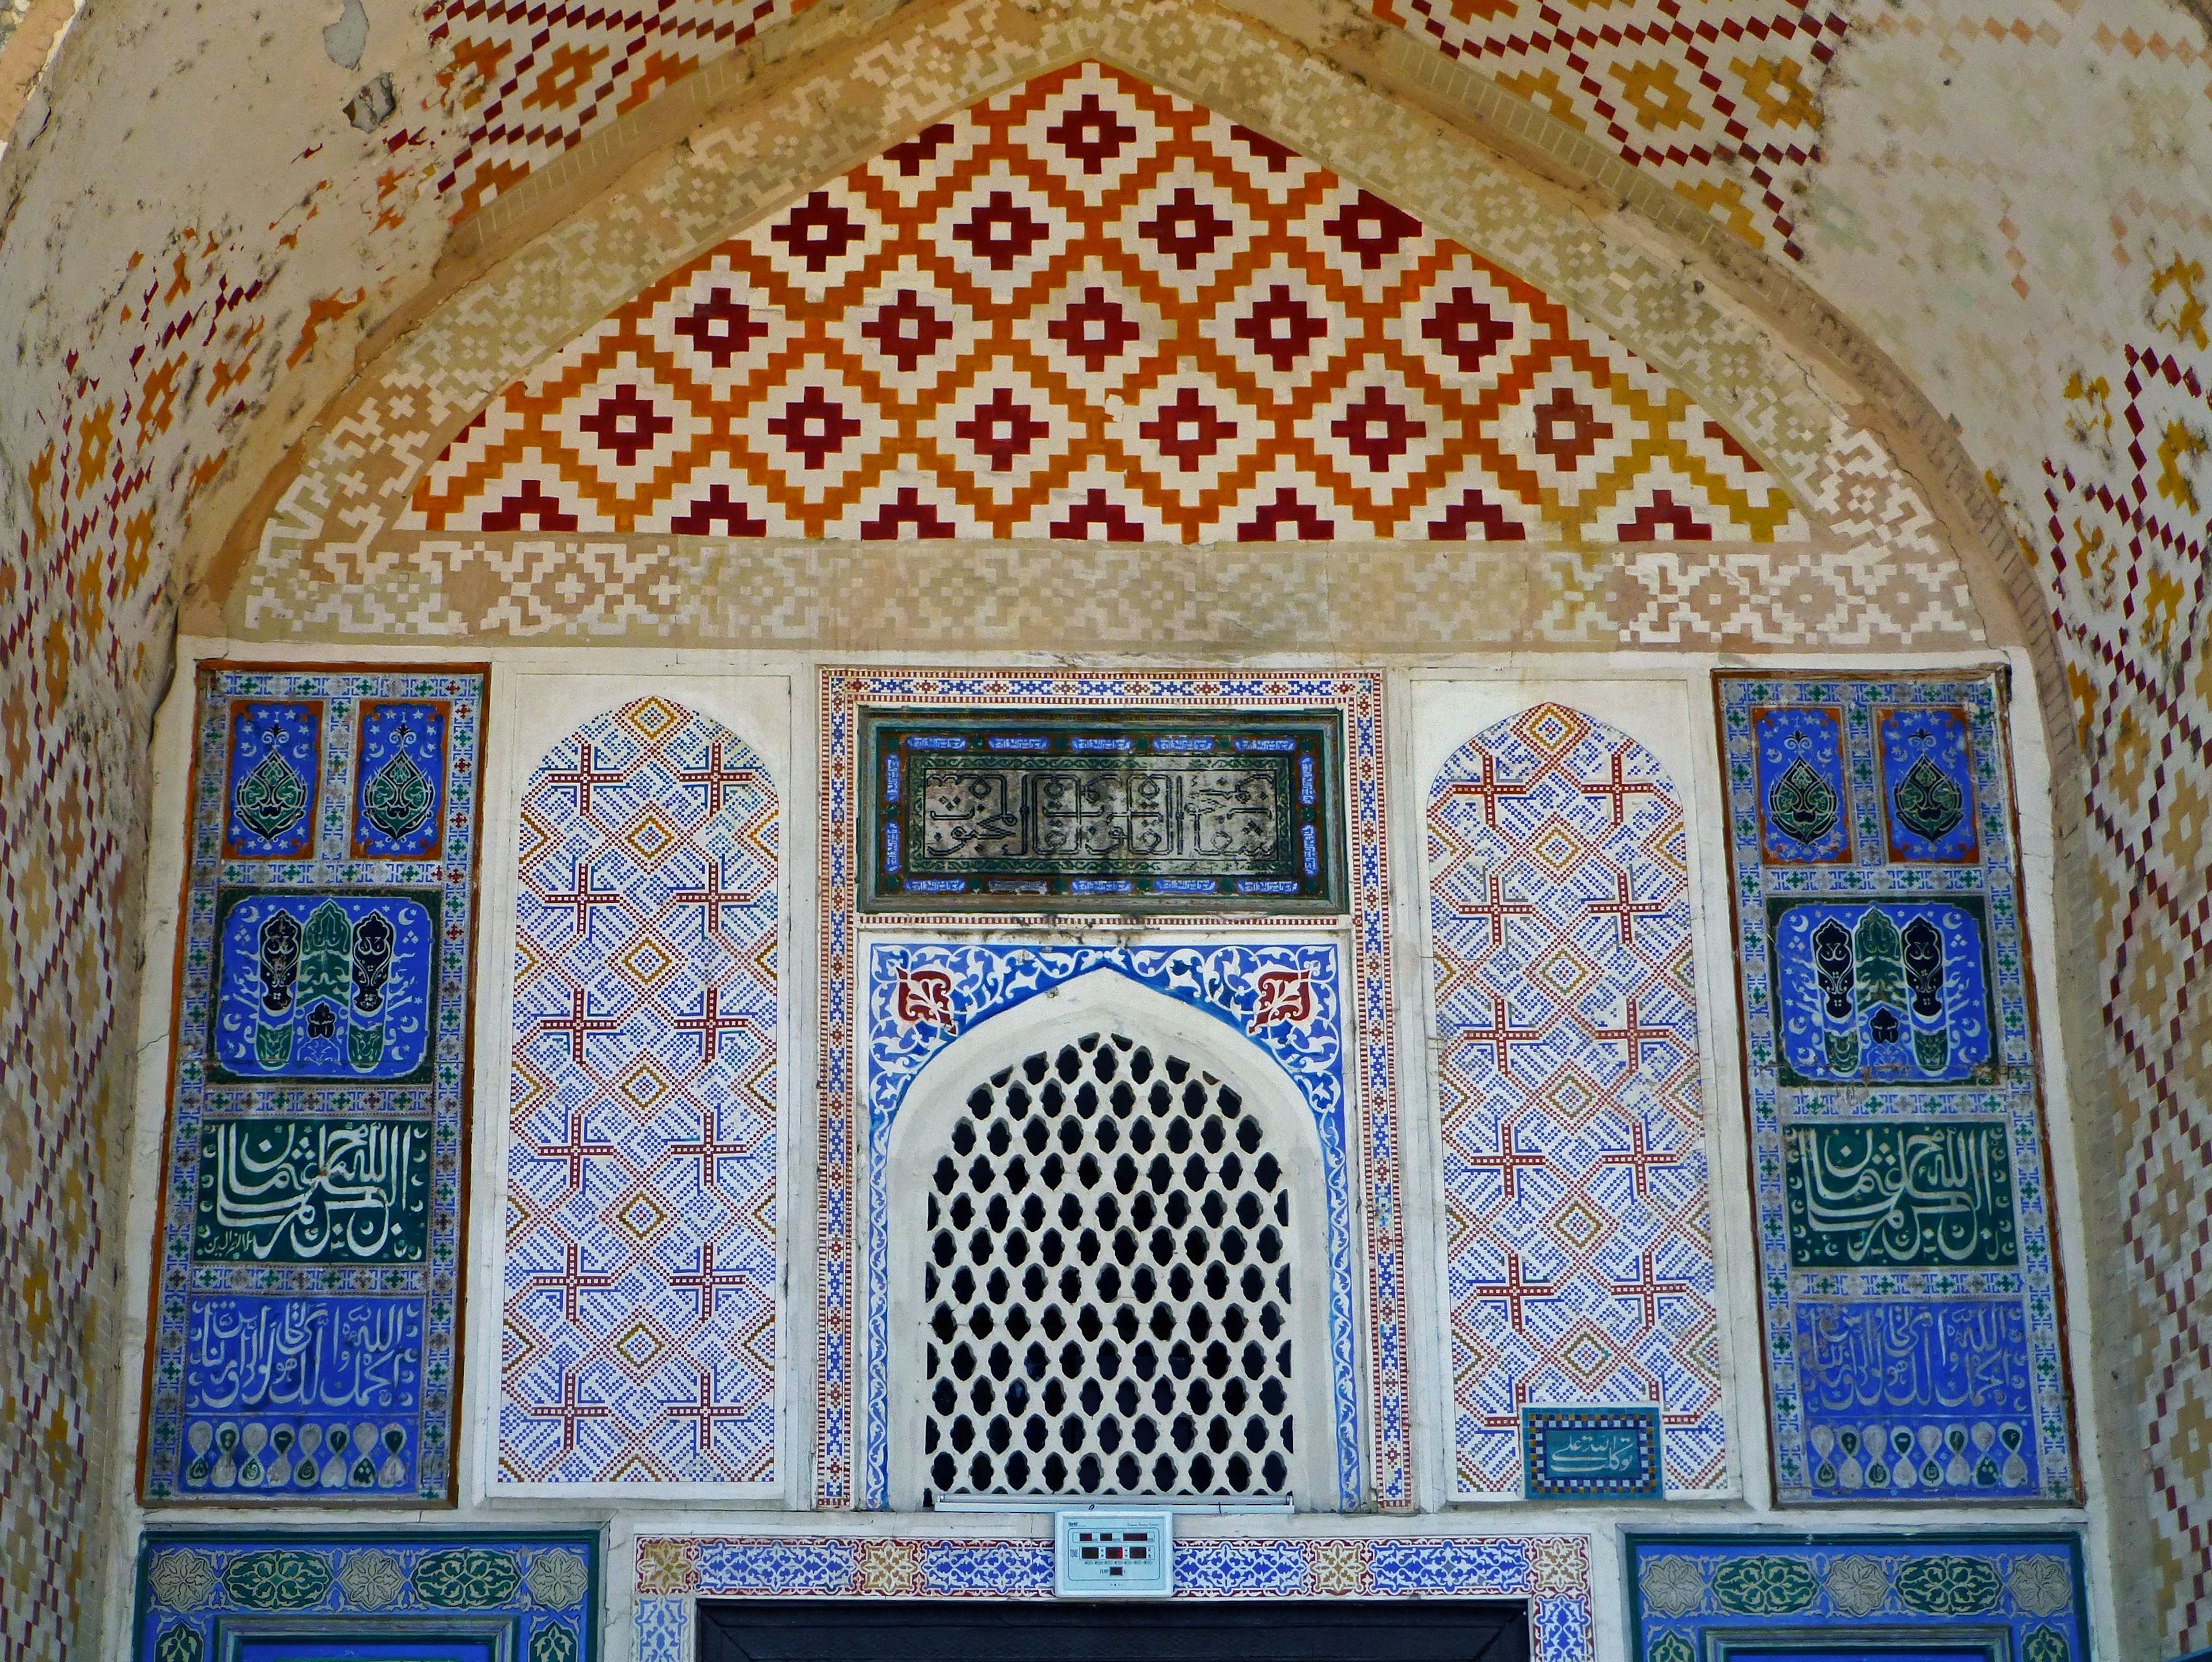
913, 1111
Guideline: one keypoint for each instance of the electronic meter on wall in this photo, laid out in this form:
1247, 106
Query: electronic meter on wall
1114, 1555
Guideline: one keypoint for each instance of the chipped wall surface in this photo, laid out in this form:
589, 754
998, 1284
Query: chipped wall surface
202, 213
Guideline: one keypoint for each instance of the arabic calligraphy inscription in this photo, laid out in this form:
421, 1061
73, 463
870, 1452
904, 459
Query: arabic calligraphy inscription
314, 1191
1910, 1194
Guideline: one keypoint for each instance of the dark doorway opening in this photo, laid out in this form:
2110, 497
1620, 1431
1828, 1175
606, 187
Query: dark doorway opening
1168, 1630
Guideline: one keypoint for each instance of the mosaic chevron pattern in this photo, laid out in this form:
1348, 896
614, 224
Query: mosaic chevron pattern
533, 79
1087, 309
639, 1338
1580, 1243
1719, 99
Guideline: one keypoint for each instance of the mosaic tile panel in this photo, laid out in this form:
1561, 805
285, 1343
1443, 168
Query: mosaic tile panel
841, 1473
1579, 1255
640, 1334
1720, 100
1087, 309
308, 1283
1551, 1572
535, 79
1584, 1453
425, 1595
1286, 999
1908, 1267
1151, 813
1997, 1597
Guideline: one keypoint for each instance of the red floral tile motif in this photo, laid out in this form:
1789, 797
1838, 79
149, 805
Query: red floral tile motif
1087, 309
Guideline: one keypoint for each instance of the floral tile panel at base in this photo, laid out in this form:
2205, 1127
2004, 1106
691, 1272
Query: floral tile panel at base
1579, 1246
1908, 1270
1996, 1597
640, 1334
422, 1595
1550, 1572
307, 1280
1083, 308
1284, 998
1372, 1111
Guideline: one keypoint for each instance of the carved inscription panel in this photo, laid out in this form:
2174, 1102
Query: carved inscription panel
1186, 810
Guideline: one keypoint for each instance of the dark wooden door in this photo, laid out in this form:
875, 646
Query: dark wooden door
1169, 1630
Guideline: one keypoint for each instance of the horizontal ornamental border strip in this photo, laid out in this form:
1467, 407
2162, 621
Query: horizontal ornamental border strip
1552, 1572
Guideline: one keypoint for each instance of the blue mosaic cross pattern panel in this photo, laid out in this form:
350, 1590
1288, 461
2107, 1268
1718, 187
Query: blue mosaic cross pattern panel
1907, 1267
1579, 1236
308, 1280
641, 1262
1284, 998
1550, 1572
416, 1595
1993, 1596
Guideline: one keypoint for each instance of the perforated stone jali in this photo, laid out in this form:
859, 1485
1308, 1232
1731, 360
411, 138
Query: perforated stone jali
1107, 1284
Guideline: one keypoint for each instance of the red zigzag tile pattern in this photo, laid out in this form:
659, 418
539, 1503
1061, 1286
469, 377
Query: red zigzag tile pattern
1085, 309
1719, 99
534, 78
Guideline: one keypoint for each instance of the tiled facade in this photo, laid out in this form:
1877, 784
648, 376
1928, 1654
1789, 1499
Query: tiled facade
310, 1278
1580, 1236
2042, 298
640, 1327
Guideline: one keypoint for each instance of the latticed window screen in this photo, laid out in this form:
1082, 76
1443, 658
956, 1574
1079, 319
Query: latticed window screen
1107, 1284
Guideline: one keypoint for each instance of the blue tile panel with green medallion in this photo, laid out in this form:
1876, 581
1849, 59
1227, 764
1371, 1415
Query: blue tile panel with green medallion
412, 1596
309, 1281
1991, 1597
1908, 1285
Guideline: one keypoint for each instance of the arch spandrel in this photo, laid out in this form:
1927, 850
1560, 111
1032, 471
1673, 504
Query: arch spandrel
334, 558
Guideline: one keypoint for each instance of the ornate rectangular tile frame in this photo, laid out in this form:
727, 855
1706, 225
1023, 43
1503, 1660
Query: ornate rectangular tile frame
980, 981
846, 690
1551, 1572
1293, 757
509, 1594
262, 841
1849, 843
1705, 1597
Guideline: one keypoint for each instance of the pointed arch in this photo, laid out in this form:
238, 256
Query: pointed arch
1579, 1259
1268, 1018
641, 1280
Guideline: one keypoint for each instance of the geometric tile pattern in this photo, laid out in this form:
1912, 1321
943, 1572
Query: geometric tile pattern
1550, 1572
2129, 549
1086, 308
309, 1276
1908, 1272
1719, 100
513, 1595
639, 1338
1286, 999
1579, 1235
533, 79
1993, 1596
841, 1476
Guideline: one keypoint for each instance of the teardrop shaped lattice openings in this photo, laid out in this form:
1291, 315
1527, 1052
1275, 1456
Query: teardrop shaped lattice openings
1107, 1284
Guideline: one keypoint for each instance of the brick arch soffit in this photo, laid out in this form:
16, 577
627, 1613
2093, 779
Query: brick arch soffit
1609, 266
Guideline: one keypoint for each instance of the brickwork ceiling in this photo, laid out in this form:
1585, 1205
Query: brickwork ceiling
2010, 198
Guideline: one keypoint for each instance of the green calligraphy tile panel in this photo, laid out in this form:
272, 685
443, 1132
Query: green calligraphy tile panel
1921, 1194
1908, 1269
1135, 810
307, 1280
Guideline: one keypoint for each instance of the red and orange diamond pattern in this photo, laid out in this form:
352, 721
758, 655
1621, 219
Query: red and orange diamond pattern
1087, 309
